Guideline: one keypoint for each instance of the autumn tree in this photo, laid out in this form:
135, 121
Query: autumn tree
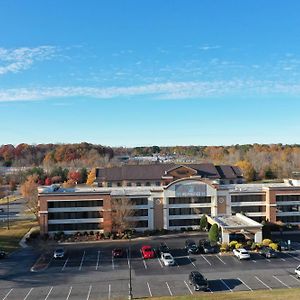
247, 170
30, 193
69, 183
91, 177
121, 214
75, 176
83, 175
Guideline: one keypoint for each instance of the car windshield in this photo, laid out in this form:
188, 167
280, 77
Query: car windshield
244, 252
168, 257
147, 249
199, 277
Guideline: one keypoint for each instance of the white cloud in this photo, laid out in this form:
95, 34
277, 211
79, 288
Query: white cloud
208, 47
167, 90
18, 59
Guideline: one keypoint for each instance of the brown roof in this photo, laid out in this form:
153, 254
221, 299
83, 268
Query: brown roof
156, 171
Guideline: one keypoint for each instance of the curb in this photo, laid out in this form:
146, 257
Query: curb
159, 237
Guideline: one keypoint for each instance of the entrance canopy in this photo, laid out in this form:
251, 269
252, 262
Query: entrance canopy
237, 223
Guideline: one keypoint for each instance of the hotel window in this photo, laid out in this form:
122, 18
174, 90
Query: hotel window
157, 183
140, 212
189, 200
119, 184
139, 201
189, 211
288, 219
75, 203
184, 222
248, 198
147, 183
128, 184
288, 208
246, 209
138, 184
109, 184
287, 198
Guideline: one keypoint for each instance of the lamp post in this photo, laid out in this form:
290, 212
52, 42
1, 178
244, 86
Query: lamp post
7, 212
130, 296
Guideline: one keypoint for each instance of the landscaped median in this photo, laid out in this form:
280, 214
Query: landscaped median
291, 294
9, 239
42, 263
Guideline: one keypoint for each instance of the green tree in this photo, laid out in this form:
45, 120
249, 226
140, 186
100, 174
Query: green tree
83, 175
203, 222
213, 234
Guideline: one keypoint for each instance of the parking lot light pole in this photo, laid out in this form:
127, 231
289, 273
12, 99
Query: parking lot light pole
130, 296
7, 212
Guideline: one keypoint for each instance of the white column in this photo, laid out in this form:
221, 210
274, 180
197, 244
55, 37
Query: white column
225, 237
258, 237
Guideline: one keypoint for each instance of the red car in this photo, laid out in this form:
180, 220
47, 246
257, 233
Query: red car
147, 252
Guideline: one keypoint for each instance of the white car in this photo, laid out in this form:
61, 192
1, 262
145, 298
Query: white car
297, 271
59, 253
167, 259
241, 253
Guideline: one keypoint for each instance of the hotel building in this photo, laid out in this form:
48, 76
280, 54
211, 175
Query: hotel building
167, 196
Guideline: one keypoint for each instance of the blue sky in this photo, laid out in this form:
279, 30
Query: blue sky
132, 73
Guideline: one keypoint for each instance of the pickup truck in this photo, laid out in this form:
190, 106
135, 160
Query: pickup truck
297, 271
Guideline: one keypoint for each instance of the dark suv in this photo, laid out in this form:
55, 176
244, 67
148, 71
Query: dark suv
191, 247
163, 248
198, 281
207, 248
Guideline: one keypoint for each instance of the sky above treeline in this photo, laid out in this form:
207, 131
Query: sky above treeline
133, 73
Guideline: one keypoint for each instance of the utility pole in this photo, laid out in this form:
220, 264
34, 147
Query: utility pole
130, 296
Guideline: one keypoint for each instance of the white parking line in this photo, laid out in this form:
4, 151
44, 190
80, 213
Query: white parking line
112, 262
160, 262
296, 258
7, 294
150, 293
221, 259
263, 283
205, 259
253, 260
282, 282
282, 259
89, 293
245, 284
65, 264
70, 290
98, 258
49, 293
109, 291
169, 289
28, 294
145, 265
297, 279
191, 262
226, 285
188, 287
82, 259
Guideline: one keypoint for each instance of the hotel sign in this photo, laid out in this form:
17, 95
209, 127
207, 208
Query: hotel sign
190, 190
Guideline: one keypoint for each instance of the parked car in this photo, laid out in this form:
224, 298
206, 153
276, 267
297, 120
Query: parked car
167, 259
118, 252
163, 248
1, 209
147, 252
297, 271
191, 247
241, 253
267, 252
283, 246
2, 254
59, 253
198, 281
206, 247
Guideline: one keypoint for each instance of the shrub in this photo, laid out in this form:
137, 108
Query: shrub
213, 234
273, 246
203, 223
232, 244
190, 229
91, 232
224, 247
238, 245
107, 234
34, 233
266, 242
182, 229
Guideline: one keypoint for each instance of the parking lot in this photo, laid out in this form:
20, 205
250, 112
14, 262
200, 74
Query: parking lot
91, 272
